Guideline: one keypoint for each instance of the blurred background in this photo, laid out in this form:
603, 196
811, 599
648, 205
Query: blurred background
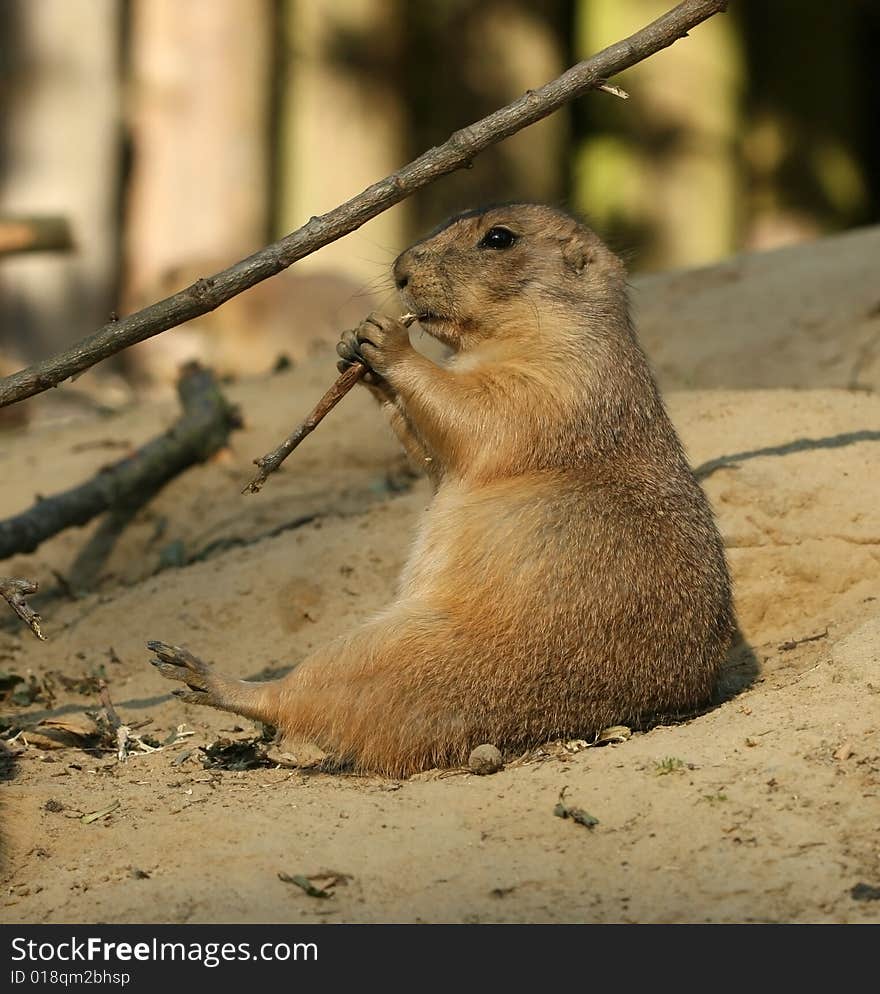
173, 137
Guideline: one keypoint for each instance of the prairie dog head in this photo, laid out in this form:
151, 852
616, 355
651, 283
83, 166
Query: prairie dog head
503, 271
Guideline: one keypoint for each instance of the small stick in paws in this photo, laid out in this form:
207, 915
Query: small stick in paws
344, 382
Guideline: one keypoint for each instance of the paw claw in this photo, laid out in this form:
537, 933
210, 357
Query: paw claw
346, 347
164, 651
200, 684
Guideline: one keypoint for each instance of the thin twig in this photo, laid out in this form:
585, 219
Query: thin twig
113, 718
14, 590
272, 460
343, 383
458, 152
794, 643
123, 734
615, 91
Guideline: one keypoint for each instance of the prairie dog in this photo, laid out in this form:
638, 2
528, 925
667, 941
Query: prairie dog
568, 574
295, 315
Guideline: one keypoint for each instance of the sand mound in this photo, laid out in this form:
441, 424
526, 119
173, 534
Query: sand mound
805, 316
764, 808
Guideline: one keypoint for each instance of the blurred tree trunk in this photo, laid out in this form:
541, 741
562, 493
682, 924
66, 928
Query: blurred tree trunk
341, 125
461, 61
806, 173
659, 174
199, 110
59, 154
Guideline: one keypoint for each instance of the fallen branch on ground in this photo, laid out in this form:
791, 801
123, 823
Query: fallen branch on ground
14, 590
201, 430
456, 153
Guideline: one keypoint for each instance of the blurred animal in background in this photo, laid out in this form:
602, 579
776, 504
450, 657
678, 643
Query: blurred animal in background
290, 316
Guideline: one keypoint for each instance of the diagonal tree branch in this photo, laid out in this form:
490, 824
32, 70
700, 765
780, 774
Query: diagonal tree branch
206, 294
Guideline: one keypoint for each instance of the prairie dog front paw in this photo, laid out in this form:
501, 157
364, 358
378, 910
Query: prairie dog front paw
379, 342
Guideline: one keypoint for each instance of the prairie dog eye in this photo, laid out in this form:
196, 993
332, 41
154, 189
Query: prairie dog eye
498, 238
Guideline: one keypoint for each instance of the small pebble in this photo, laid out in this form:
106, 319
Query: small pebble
485, 759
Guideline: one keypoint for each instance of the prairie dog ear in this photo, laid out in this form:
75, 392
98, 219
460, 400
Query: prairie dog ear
576, 254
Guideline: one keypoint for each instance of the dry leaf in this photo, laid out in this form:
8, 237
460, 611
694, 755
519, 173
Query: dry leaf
305, 884
81, 726
63, 733
612, 734
96, 815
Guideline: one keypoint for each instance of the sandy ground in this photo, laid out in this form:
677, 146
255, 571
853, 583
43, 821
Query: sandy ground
764, 808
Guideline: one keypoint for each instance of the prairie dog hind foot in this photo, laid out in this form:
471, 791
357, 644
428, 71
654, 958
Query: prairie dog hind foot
202, 685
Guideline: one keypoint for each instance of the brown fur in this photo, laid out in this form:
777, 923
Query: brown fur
568, 574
